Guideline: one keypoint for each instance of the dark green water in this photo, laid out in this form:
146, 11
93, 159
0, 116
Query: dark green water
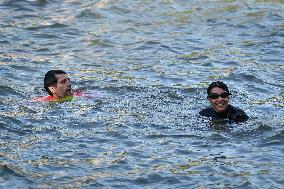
149, 62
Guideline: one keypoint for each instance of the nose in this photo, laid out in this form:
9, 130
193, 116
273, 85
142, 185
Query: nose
68, 82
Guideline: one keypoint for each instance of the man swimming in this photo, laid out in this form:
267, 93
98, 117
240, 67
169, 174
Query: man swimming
58, 85
218, 96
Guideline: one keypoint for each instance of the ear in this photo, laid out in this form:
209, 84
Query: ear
209, 99
52, 89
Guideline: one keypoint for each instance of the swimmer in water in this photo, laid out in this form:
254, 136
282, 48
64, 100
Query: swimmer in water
58, 85
218, 96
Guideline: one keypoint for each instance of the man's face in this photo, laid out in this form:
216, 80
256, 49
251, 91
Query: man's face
63, 86
219, 104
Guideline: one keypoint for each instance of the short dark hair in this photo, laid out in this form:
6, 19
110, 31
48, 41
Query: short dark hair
218, 84
50, 79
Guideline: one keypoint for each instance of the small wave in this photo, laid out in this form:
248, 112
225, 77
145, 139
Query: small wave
246, 76
7, 91
46, 36
154, 178
101, 43
88, 13
9, 170
10, 173
275, 140
40, 27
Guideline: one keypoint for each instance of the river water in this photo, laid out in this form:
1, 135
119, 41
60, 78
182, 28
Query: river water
147, 65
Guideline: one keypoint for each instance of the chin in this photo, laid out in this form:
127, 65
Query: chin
219, 110
68, 94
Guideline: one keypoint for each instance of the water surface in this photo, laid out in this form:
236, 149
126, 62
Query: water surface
149, 62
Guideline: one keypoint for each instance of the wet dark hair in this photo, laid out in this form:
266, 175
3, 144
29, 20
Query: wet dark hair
50, 79
218, 84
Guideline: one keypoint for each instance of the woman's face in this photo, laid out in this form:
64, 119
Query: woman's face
219, 103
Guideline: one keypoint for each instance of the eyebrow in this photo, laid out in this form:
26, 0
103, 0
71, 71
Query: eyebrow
64, 80
218, 93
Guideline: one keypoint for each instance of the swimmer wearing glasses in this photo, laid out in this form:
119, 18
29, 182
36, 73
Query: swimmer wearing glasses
218, 96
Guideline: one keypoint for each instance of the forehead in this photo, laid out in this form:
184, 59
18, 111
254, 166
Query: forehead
61, 77
217, 90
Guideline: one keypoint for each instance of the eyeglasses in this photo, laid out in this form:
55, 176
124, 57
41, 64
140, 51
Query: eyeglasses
215, 95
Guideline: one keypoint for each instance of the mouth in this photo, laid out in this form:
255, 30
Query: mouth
220, 105
69, 91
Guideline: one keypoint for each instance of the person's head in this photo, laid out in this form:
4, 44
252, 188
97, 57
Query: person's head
57, 83
218, 96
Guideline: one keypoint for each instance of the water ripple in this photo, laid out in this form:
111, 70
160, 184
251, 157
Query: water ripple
148, 64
